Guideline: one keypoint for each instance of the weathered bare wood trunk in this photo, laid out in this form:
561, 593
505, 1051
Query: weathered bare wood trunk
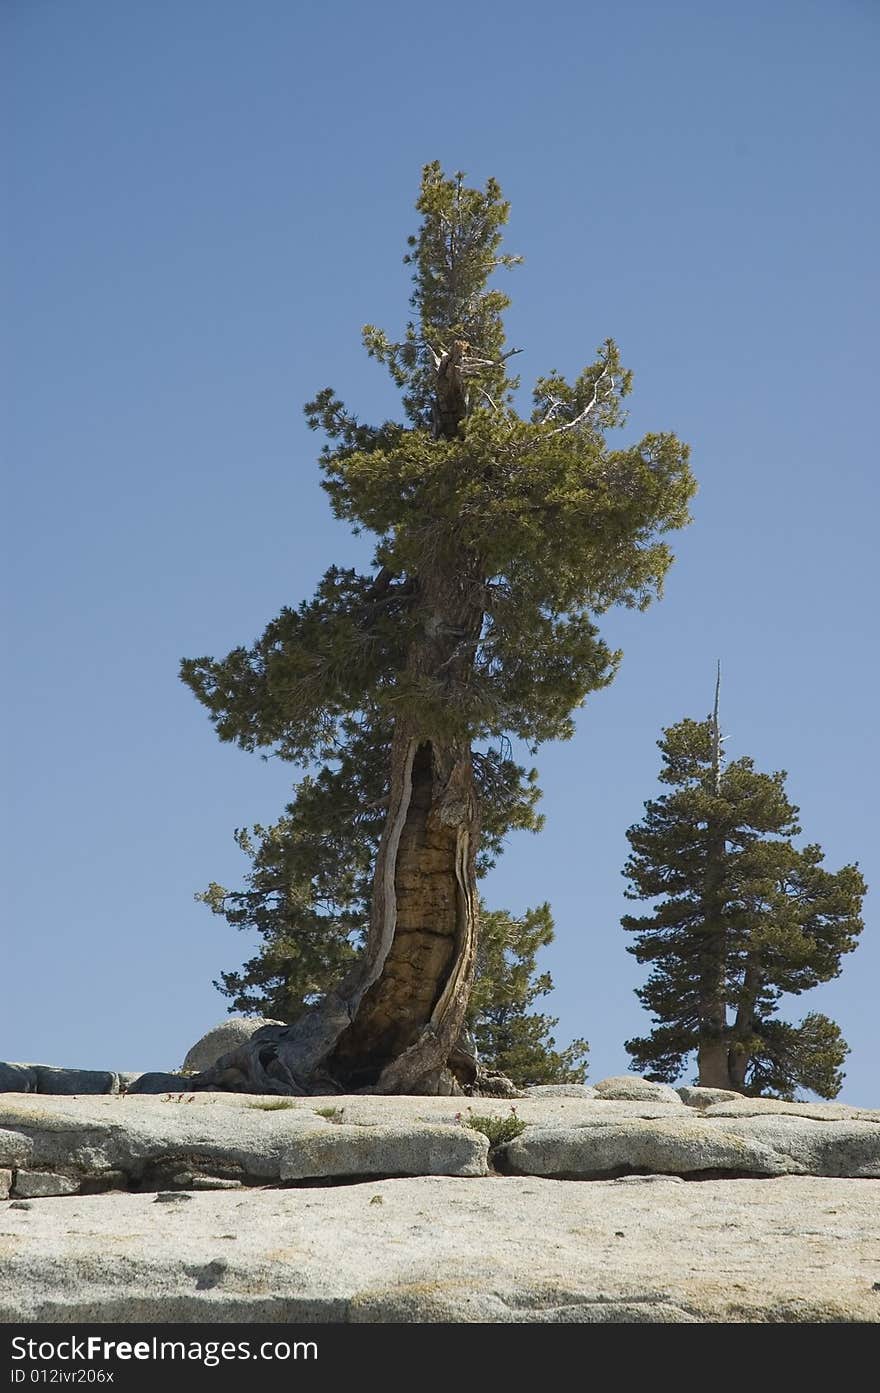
424, 934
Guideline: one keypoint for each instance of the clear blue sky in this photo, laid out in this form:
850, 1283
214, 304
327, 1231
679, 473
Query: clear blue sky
207, 199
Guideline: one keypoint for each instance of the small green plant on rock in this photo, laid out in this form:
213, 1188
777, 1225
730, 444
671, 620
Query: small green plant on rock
499, 1130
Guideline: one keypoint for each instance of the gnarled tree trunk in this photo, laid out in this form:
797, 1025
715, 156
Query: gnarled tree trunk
423, 941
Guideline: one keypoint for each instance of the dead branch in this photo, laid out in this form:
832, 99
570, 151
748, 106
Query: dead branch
578, 420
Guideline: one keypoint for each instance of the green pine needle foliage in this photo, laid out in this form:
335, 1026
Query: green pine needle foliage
740, 917
511, 1037
538, 520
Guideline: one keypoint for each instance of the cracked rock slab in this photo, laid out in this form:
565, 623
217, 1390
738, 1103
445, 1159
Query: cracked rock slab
48, 1079
814, 1147
150, 1141
500, 1249
32, 1185
699, 1145
774, 1107
74, 1082
417, 1149
116, 1141
90, 1138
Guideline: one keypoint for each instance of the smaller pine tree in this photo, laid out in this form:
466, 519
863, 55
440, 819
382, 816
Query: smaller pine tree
740, 917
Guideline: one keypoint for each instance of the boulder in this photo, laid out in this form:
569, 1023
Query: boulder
32, 1185
228, 1035
633, 1088
705, 1097
74, 1081
17, 1078
159, 1083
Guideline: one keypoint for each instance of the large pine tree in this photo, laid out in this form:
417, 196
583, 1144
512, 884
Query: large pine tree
742, 916
500, 538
